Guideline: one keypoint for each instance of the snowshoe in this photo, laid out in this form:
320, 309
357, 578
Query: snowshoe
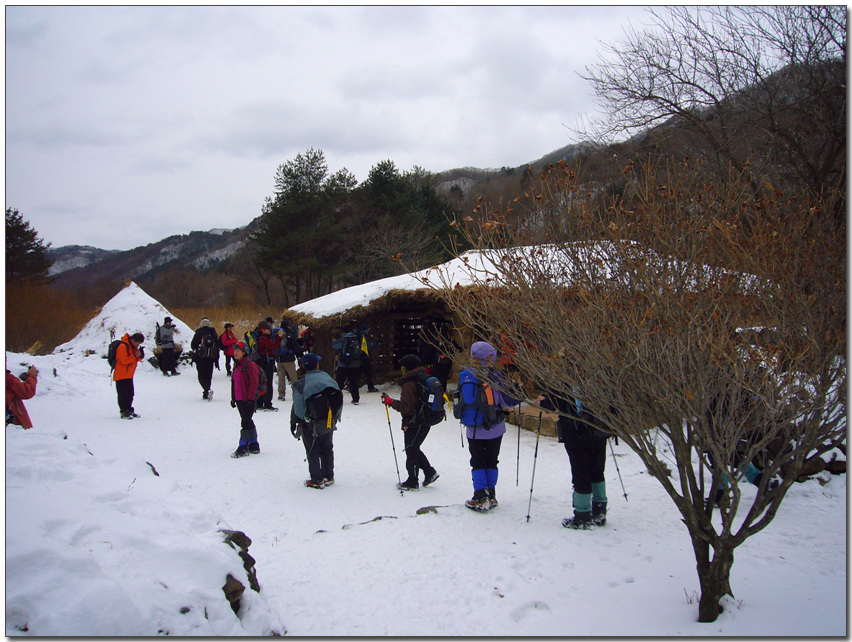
242, 451
431, 478
598, 513
254, 449
310, 483
328, 482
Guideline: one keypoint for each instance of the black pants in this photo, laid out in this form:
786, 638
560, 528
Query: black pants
414, 458
588, 458
367, 369
205, 372
125, 392
269, 368
484, 452
320, 454
248, 431
168, 361
352, 375
228, 359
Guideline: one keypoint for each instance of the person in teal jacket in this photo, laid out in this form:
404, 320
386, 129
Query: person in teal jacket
317, 436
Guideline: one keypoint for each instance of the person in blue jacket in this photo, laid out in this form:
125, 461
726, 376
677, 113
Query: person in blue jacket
481, 403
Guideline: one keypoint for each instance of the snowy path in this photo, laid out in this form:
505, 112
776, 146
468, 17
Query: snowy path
329, 568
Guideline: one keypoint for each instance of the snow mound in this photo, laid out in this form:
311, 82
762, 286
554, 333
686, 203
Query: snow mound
131, 310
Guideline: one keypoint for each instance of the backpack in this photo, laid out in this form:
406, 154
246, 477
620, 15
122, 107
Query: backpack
208, 348
431, 408
350, 351
483, 411
111, 352
323, 409
250, 341
261, 383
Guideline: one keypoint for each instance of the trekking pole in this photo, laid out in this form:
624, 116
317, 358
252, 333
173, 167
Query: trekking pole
390, 430
518, 462
615, 461
535, 459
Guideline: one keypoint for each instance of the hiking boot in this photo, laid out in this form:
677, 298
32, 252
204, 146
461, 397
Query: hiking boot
598, 513
354, 403
310, 483
205, 395
492, 498
327, 481
175, 373
409, 484
431, 477
254, 449
372, 389
242, 451
127, 415
580, 521
480, 501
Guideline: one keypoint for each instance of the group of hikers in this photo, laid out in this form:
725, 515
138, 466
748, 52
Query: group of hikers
480, 402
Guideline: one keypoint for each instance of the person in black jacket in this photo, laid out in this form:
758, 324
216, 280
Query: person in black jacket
205, 350
585, 444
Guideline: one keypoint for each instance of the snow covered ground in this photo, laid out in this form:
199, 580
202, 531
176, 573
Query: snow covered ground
97, 545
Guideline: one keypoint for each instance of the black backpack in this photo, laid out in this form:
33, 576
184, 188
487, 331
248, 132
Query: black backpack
111, 352
350, 352
323, 409
208, 348
430, 410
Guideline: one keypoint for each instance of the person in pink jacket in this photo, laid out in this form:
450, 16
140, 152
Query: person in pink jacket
16, 391
244, 385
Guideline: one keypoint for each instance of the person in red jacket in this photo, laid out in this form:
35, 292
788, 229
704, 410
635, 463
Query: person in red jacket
128, 355
244, 384
267, 346
16, 391
228, 341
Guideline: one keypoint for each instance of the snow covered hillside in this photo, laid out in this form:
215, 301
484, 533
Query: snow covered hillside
98, 545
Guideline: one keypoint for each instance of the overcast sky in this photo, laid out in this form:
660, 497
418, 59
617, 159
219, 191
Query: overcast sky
125, 125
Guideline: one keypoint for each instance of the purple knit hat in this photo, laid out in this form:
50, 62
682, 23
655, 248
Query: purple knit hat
483, 351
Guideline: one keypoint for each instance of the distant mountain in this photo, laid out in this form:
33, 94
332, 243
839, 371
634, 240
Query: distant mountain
69, 257
77, 265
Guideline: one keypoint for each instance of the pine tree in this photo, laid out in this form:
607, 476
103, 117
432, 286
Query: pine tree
26, 253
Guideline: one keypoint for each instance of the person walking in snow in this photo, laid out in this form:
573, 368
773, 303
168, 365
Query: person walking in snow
127, 357
415, 428
480, 407
165, 340
227, 341
16, 391
316, 433
205, 349
348, 349
585, 444
267, 346
244, 382
288, 352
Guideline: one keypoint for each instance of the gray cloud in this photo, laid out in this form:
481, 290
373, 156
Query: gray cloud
175, 118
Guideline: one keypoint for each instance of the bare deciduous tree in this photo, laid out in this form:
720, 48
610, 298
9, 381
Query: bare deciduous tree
680, 327
762, 88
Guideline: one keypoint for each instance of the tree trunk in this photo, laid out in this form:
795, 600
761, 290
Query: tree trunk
714, 578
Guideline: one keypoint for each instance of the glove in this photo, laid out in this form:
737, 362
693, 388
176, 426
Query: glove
386, 399
233, 404
296, 429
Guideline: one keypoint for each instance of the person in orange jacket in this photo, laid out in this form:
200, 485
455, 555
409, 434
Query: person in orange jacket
128, 355
16, 391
